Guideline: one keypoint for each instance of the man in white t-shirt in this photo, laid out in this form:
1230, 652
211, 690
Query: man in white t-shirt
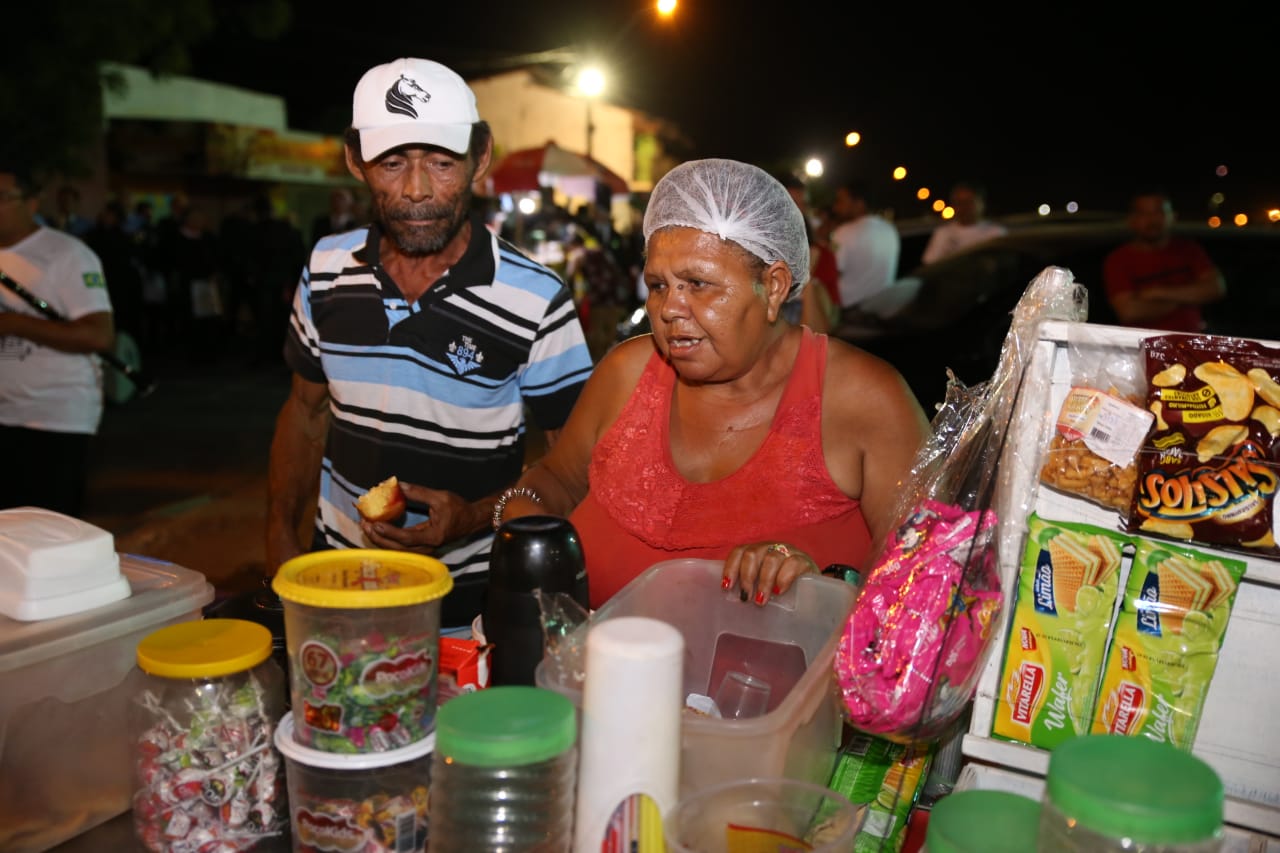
50, 383
968, 228
866, 244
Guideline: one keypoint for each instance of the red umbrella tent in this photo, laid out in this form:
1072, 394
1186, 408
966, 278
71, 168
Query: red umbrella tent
529, 169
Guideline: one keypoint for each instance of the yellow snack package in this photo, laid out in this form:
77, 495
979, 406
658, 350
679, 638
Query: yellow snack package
1165, 649
1067, 589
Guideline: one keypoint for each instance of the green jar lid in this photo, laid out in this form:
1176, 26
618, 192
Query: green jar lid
506, 726
1134, 787
980, 820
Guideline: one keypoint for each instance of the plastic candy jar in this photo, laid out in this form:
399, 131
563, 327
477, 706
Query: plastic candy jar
362, 627
983, 821
202, 723
504, 773
1120, 793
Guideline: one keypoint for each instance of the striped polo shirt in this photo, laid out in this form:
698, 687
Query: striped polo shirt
435, 393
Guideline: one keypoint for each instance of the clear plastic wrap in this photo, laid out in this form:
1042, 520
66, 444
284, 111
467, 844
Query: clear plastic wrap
912, 649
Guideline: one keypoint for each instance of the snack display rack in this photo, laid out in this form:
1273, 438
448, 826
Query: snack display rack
1239, 732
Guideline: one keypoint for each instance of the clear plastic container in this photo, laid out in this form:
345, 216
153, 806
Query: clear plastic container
505, 772
763, 814
61, 775
362, 628
1119, 793
789, 643
371, 802
202, 724
983, 821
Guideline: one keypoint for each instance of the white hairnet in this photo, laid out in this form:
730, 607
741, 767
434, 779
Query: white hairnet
735, 201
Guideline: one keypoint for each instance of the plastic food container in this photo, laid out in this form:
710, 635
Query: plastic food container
789, 644
1123, 793
65, 691
983, 821
365, 802
763, 814
505, 771
362, 628
205, 768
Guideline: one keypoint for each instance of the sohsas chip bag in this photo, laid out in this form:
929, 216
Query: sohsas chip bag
1209, 470
1067, 588
1165, 648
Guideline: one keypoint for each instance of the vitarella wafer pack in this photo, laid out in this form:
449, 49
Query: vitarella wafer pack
1165, 648
1067, 589
1209, 469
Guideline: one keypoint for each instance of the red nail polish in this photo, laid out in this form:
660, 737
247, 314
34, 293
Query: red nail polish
777, 590
725, 583
759, 598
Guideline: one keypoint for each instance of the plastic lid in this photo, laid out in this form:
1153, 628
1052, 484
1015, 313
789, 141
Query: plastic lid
506, 726
360, 579
295, 751
1136, 788
204, 649
991, 821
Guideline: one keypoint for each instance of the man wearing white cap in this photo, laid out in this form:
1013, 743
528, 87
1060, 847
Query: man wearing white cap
418, 344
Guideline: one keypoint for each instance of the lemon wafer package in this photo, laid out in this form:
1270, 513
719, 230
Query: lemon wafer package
1067, 587
1165, 648
1209, 470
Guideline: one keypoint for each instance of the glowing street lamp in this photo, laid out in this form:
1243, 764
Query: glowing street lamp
899, 172
852, 138
590, 86
813, 167
666, 8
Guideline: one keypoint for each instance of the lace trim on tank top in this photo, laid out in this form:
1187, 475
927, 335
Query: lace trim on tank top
784, 485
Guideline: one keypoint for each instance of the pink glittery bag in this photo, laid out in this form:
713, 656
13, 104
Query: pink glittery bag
913, 648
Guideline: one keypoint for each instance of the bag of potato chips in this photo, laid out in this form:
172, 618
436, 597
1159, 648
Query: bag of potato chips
1165, 647
1209, 470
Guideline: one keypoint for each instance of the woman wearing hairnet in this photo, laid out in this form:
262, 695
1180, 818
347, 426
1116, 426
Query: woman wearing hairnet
728, 433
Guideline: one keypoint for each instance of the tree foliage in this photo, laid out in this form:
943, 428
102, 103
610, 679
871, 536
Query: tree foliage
51, 75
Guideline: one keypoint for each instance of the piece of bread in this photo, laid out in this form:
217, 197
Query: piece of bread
384, 502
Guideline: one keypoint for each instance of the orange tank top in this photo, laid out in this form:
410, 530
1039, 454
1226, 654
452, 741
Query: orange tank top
639, 510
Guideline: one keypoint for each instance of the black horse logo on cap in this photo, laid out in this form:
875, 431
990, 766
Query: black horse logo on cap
403, 93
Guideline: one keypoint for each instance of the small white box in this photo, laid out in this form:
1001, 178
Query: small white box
54, 565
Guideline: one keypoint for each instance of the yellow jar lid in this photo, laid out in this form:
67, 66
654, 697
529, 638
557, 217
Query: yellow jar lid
362, 578
205, 648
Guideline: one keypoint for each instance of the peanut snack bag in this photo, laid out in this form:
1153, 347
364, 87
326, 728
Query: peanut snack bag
1165, 649
1067, 590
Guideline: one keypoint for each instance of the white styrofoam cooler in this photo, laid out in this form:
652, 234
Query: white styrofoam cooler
1239, 734
65, 687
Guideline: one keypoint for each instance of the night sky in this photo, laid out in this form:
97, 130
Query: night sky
1044, 106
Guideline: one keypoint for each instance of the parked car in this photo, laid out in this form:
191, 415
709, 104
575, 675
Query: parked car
955, 313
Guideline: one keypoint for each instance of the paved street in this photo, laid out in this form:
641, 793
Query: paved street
181, 474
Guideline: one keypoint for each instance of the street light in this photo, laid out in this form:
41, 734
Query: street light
590, 86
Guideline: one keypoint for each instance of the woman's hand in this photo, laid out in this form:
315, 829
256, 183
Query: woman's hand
763, 569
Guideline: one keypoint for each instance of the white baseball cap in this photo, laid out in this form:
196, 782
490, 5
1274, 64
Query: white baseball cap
412, 101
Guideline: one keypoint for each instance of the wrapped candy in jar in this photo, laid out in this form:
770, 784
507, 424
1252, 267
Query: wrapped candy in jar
207, 775
370, 802
362, 628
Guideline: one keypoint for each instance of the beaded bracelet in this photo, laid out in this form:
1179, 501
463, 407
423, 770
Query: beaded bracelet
513, 492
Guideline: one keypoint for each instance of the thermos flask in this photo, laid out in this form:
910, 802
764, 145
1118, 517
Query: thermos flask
532, 552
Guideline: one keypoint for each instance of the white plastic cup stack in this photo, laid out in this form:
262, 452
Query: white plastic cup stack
631, 711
